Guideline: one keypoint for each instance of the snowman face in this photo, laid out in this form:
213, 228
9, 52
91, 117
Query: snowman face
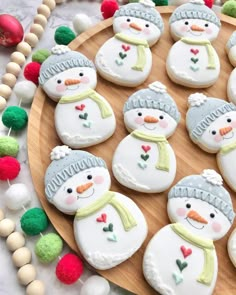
137, 27
220, 133
150, 120
199, 217
82, 189
194, 28
70, 82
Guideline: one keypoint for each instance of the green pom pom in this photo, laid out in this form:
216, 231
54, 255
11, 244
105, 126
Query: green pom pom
34, 221
64, 35
229, 8
41, 55
15, 118
8, 146
160, 2
48, 248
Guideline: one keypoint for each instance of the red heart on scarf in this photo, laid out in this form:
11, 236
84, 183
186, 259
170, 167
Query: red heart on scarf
146, 148
80, 107
102, 218
186, 252
126, 47
194, 51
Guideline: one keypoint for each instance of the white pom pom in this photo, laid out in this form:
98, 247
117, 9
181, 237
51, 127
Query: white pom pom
60, 49
81, 22
59, 152
148, 3
196, 99
158, 87
95, 285
212, 177
25, 91
200, 2
17, 196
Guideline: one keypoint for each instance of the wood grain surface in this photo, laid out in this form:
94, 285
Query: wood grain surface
190, 159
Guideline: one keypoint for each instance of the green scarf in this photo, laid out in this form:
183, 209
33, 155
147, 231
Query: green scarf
164, 160
109, 199
141, 45
206, 245
209, 48
92, 94
228, 148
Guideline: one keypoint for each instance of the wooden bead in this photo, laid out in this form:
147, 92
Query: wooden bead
13, 68
2, 215
21, 257
5, 91
41, 20
35, 288
9, 79
7, 226
24, 48
15, 241
37, 30
26, 274
60, 1
32, 39
18, 58
50, 3
44, 10
3, 103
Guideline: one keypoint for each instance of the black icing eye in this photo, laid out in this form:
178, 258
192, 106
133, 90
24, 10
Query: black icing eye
188, 205
212, 215
81, 74
147, 25
186, 23
140, 114
69, 190
89, 177
206, 25
128, 20
213, 132
229, 120
161, 117
59, 81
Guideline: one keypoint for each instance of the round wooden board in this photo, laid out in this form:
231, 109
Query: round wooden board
190, 159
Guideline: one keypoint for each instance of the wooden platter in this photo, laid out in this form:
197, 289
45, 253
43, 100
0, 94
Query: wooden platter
190, 159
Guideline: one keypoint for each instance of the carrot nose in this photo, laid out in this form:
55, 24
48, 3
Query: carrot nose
135, 26
225, 130
197, 28
150, 119
83, 187
69, 82
197, 217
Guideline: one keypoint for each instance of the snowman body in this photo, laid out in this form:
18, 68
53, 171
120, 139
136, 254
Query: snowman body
231, 86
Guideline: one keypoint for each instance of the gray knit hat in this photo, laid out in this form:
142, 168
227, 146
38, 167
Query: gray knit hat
65, 164
195, 9
207, 187
153, 97
143, 10
232, 41
62, 59
203, 111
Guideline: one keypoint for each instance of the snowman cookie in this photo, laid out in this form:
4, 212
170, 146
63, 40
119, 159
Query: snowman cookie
211, 123
108, 226
232, 247
192, 61
144, 160
231, 50
126, 59
181, 259
82, 116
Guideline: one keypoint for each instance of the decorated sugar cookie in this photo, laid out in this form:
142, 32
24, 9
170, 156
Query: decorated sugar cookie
192, 61
144, 160
211, 123
126, 59
231, 50
82, 116
232, 247
181, 259
108, 226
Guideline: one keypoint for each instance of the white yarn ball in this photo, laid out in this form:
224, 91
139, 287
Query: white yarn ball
17, 196
25, 91
95, 285
81, 22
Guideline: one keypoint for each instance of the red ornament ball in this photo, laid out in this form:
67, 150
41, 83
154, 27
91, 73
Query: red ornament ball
69, 269
11, 30
9, 168
108, 8
209, 3
31, 72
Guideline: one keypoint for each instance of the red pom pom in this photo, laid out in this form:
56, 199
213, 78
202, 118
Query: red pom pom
108, 8
10, 168
209, 3
69, 269
31, 72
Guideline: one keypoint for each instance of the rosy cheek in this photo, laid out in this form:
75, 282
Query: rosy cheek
183, 29
60, 88
98, 179
233, 124
181, 211
70, 200
84, 80
139, 120
146, 31
218, 138
163, 123
216, 227
208, 31
124, 25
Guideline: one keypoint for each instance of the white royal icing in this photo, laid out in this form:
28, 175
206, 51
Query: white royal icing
197, 2
59, 152
212, 177
231, 86
148, 3
158, 87
232, 247
197, 99
60, 49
